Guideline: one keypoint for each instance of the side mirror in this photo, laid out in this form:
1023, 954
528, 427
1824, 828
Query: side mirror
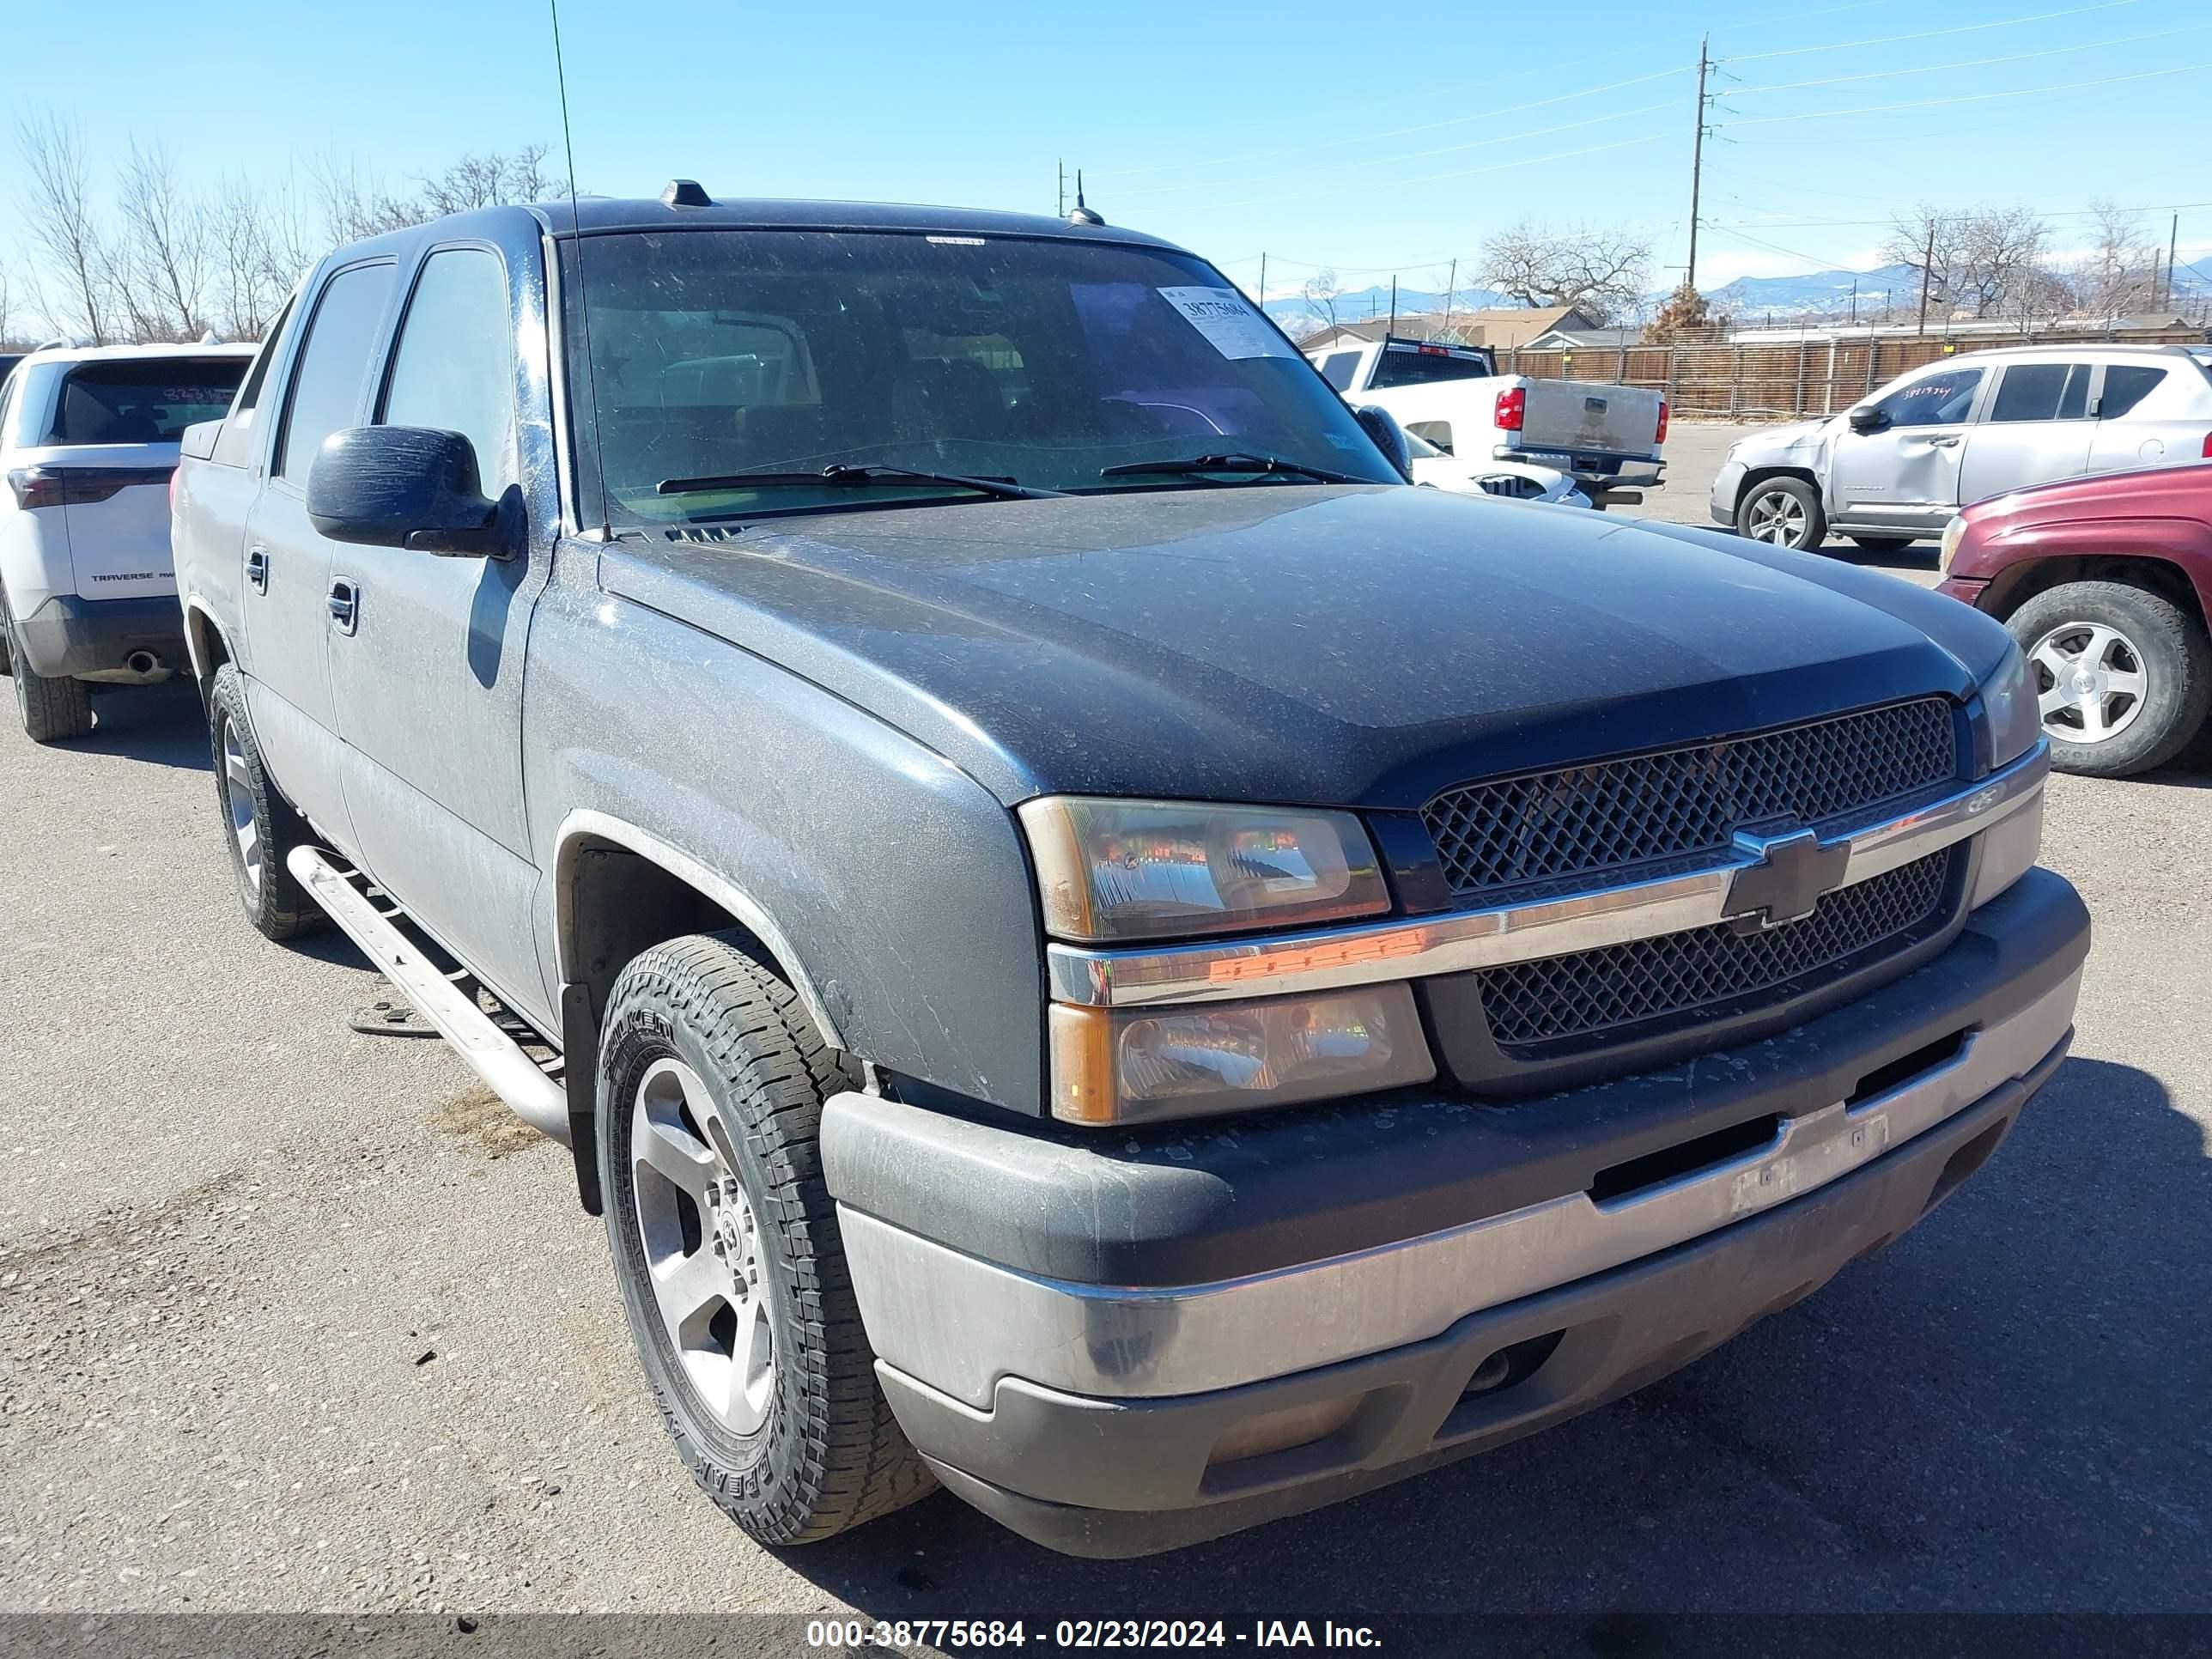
403, 486
1867, 418
1390, 438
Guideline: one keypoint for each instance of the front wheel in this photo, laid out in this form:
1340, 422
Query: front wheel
726, 1247
261, 826
1785, 512
2122, 677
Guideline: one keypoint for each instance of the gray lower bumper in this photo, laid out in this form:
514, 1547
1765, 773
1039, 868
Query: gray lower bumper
69, 635
1119, 1478
1119, 1345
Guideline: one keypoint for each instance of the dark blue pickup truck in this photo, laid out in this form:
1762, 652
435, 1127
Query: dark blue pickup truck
1092, 944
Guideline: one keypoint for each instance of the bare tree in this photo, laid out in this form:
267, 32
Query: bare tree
2118, 273
1599, 272
1986, 261
64, 222
161, 255
2001, 268
496, 179
1320, 292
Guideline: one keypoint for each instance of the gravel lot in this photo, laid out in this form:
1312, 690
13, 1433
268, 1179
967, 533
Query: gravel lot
289, 1319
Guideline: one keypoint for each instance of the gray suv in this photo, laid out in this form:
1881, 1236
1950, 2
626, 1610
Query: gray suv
1892, 468
1091, 944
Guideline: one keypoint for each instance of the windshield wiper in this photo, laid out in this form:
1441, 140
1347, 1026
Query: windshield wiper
843, 475
1237, 463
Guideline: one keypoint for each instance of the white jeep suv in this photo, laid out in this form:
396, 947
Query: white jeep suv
88, 590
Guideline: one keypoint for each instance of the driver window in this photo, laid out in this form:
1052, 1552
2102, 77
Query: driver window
1943, 399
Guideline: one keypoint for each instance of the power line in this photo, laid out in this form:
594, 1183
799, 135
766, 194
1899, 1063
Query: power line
1393, 132
1425, 178
1520, 136
1926, 34
1972, 97
1970, 62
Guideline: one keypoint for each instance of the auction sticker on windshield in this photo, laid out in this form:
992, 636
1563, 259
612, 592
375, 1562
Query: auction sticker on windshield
1228, 321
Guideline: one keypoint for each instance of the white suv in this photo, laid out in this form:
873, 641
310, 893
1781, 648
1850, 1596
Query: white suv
88, 590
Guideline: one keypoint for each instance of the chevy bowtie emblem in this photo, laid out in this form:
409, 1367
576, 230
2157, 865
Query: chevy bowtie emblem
1791, 874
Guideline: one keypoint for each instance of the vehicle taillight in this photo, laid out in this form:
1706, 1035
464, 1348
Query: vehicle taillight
2208, 447
1512, 407
1660, 436
38, 486
80, 486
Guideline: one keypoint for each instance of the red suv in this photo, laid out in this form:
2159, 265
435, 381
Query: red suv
2106, 582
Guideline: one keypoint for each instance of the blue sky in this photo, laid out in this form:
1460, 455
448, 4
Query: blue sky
1294, 128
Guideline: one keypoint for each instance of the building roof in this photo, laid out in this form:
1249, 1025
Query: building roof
1506, 326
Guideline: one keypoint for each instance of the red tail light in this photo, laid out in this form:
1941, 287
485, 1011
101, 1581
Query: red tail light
2208, 447
38, 486
1512, 408
1660, 436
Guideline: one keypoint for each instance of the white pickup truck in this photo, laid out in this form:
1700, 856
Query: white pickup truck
1606, 438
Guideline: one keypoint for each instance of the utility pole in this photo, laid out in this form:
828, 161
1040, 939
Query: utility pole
1061, 212
1452, 287
1391, 327
1855, 303
1697, 161
2173, 242
1263, 280
1927, 270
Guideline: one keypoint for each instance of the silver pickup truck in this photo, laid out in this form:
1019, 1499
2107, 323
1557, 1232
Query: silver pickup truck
1090, 944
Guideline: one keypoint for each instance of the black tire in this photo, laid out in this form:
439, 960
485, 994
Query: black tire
277, 905
1757, 518
828, 1454
2169, 650
1884, 543
52, 710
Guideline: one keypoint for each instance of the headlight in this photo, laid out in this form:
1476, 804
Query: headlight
1125, 1066
2015, 719
1124, 870
1952, 532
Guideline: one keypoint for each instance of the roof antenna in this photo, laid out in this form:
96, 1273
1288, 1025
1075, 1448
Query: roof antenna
583, 298
1081, 214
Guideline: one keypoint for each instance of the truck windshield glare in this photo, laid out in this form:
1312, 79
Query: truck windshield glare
1042, 363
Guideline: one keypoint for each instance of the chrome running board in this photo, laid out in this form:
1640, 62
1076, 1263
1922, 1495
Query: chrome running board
533, 1095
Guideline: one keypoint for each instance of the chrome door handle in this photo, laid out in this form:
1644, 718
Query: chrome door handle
1943, 443
345, 605
256, 568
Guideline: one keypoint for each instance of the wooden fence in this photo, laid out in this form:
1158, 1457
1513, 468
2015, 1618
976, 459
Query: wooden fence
1772, 378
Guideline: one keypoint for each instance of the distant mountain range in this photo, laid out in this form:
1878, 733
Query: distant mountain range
1894, 289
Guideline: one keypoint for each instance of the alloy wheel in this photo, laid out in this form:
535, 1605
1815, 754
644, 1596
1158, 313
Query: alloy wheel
1778, 517
2089, 680
238, 795
703, 1246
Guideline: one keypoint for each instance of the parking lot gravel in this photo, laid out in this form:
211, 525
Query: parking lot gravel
292, 1317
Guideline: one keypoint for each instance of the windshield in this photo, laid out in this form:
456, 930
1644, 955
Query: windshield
1039, 361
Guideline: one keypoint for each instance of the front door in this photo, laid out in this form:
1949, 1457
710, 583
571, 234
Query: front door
2037, 427
427, 677
1904, 471
285, 602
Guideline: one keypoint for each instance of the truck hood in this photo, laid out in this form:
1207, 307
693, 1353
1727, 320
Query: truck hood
1299, 643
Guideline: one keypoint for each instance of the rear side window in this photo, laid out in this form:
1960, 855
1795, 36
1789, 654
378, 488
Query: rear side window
2042, 392
453, 368
333, 365
236, 445
1337, 368
2126, 385
142, 403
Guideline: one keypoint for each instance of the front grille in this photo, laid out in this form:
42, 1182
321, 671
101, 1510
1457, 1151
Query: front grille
1711, 969
1615, 814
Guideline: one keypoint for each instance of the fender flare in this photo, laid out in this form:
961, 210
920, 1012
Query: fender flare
195, 606
586, 825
